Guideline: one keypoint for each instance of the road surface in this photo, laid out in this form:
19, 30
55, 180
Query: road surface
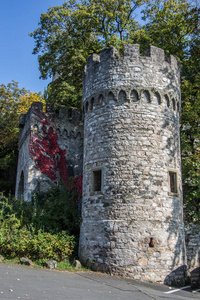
22, 282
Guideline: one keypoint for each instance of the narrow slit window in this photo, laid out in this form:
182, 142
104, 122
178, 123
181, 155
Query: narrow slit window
69, 112
97, 180
173, 182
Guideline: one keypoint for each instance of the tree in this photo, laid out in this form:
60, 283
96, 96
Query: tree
69, 33
174, 26
13, 102
167, 25
190, 119
190, 145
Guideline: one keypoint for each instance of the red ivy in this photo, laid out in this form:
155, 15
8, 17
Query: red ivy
48, 157
79, 185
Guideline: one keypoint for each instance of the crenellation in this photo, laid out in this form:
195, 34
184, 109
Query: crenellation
22, 120
117, 73
172, 61
132, 50
92, 59
108, 54
156, 54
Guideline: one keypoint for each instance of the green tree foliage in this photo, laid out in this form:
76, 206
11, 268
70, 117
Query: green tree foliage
16, 240
174, 26
13, 102
69, 33
54, 210
167, 25
190, 119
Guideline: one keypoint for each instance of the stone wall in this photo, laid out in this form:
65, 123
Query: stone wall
70, 138
132, 222
27, 175
192, 238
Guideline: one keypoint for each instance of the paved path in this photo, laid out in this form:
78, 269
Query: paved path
21, 282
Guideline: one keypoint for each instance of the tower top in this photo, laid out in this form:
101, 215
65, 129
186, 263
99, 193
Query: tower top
112, 72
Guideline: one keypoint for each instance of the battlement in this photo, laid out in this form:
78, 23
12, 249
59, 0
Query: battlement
155, 54
131, 77
70, 117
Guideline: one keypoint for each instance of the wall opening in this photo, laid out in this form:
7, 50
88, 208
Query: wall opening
122, 96
134, 96
111, 96
97, 181
167, 100
100, 99
178, 108
146, 97
158, 98
173, 104
86, 107
92, 104
69, 113
173, 182
151, 242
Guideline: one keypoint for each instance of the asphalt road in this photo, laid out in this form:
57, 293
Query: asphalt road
21, 282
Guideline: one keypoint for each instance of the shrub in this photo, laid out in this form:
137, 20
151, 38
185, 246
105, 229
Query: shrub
20, 242
36, 240
56, 210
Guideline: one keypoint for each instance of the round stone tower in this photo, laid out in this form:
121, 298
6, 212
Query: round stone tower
132, 211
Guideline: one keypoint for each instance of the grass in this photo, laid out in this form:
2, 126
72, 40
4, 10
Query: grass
61, 266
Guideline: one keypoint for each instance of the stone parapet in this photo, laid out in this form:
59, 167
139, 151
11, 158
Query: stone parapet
111, 72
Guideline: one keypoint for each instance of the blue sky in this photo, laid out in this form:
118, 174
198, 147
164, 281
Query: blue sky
17, 19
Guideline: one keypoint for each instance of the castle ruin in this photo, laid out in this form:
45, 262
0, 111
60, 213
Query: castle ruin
132, 206
69, 129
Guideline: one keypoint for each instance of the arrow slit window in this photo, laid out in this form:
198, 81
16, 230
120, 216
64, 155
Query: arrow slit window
173, 182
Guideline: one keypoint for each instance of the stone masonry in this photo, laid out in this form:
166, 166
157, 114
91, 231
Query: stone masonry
70, 138
132, 211
192, 238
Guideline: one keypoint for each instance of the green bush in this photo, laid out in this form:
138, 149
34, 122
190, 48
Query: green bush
36, 229
51, 211
56, 210
20, 242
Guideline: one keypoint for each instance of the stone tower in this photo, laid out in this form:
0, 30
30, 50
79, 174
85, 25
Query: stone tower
132, 211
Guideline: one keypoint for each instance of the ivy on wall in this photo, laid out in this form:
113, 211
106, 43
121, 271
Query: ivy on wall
48, 157
44, 150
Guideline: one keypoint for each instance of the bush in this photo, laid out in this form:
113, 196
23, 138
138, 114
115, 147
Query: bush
20, 242
27, 230
52, 211
56, 210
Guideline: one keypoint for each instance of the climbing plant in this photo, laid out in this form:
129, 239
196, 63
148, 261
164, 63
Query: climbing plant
48, 157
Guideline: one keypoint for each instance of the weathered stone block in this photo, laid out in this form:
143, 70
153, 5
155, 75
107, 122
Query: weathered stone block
26, 261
